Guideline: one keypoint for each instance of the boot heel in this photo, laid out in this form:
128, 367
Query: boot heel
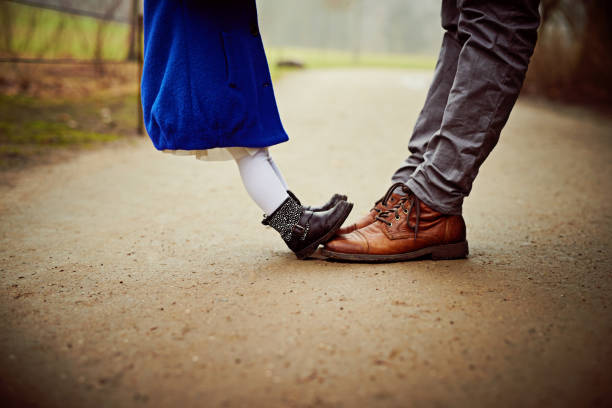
450, 251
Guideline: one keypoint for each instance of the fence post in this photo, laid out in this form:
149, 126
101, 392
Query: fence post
139, 44
133, 36
7, 28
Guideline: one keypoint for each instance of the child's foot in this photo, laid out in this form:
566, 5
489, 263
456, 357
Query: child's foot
304, 230
336, 198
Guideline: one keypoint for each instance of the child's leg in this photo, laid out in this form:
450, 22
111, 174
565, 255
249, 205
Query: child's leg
302, 229
261, 180
276, 170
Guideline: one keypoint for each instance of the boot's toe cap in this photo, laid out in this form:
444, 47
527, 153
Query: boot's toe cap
347, 230
353, 243
360, 223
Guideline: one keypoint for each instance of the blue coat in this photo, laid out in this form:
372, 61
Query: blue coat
205, 80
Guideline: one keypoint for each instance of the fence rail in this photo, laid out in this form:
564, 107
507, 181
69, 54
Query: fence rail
122, 11
116, 10
61, 61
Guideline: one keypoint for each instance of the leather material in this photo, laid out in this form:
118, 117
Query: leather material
315, 224
394, 233
369, 218
335, 199
304, 230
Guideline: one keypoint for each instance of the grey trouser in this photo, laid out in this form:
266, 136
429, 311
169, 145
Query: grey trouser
484, 57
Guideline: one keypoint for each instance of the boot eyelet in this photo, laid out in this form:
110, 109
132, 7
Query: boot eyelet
397, 218
405, 211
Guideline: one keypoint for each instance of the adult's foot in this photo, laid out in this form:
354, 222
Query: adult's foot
408, 231
386, 203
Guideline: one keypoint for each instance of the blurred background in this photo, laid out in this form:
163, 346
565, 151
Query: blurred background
69, 70
130, 278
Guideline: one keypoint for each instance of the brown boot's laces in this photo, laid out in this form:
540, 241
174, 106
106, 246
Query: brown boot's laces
400, 206
384, 200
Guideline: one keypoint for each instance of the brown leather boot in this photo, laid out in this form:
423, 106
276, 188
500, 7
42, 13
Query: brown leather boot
386, 203
410, 230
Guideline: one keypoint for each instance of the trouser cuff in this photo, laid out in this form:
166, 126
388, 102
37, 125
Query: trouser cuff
430, 199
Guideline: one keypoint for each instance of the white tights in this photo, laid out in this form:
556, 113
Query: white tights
262, 179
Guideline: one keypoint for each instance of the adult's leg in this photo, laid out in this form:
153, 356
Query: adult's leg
498, 39
430, 118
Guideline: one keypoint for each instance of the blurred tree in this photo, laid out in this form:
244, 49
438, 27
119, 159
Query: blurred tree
595, 60
573, 58
133, 35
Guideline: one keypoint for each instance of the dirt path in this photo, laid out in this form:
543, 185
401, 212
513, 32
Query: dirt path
132, 278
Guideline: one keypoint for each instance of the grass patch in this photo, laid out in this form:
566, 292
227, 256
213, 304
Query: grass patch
43, 33
49, 134
31, 127
316, 58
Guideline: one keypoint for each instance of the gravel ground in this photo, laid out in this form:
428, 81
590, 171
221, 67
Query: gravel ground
134, 278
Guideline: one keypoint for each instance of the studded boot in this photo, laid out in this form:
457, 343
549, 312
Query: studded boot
304, 230
336, 198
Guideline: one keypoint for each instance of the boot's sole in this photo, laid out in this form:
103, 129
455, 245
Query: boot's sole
437, 252
310, 249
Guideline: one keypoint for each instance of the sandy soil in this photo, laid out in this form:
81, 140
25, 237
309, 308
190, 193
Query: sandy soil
133, 278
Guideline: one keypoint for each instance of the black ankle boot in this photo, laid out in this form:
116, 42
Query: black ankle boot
304, 230
336, 198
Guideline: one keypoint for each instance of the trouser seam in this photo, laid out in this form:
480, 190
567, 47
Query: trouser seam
424, 197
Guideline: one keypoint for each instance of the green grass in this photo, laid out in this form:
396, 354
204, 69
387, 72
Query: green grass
47, 133
42, 33
30, 127
317, 58
21, 142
